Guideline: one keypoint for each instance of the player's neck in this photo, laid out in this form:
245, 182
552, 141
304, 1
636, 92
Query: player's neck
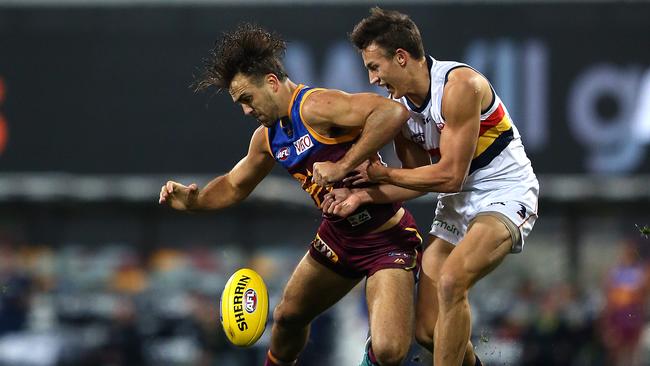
420, 82
288, 88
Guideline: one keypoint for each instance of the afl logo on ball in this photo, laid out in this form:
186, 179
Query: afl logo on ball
250, 301
283, 154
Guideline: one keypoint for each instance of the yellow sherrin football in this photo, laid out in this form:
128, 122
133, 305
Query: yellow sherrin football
244, 307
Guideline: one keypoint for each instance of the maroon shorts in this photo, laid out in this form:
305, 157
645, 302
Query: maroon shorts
356, 256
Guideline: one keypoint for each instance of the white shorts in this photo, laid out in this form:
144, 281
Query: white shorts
455, 211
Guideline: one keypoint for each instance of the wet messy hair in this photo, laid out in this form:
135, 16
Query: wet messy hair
250, 50
391, 30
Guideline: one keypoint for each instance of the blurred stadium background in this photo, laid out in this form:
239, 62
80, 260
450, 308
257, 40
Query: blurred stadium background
96, 113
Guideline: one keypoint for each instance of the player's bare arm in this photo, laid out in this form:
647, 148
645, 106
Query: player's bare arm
380, 119
344, 201
463, 98
227, 189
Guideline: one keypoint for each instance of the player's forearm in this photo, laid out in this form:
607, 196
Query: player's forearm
380, 128
386, 193
219, 193
430, 178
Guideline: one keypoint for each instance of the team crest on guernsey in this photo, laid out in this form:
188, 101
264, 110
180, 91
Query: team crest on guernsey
283, 154
303, 144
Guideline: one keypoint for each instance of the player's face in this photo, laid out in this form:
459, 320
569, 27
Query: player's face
255, 98
384, 71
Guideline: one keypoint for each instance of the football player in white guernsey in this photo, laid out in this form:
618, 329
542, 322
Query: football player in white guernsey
459, 141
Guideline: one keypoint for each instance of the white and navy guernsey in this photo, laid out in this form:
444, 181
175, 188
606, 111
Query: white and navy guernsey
499, 153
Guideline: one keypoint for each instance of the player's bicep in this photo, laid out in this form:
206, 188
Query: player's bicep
458, 139
256, 165
334, 107
409, 153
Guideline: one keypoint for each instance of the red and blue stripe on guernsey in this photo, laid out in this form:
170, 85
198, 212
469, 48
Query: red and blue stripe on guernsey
494, 135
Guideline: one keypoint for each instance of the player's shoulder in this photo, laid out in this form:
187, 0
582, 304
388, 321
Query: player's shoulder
323, 104
464, 82
260, 135
318, 103
464, 76
260, 131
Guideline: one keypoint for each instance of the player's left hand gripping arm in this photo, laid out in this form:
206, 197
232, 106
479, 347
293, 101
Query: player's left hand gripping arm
379, 118
228, 189
462, 109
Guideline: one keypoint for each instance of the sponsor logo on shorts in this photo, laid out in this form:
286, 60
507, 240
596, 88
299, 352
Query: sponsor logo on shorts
399, 254
360, 218
522, 212
497, 203
444, 225
324, 249
303, 144
418, 138
399, 261
250, 300
283, 154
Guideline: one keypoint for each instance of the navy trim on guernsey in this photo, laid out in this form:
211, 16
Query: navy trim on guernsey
421, 108
491, 88
494, 99
492, 151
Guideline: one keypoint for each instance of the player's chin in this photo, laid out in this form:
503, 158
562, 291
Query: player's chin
266, 123
395, 93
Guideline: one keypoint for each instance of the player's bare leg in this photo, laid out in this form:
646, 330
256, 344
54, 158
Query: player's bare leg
426, 308
485, 245
389, 293
312, 289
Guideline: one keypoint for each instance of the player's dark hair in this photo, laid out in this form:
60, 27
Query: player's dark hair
391, 30
249, 50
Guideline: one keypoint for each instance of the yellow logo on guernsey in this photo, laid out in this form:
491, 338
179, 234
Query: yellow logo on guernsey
323, 248
310, 187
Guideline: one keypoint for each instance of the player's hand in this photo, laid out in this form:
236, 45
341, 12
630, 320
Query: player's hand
370, 171
341, 202
334, 197
377, 171
359, 175
178, 196
327, 173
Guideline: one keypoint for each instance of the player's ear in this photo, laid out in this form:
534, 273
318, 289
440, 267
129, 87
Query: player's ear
401, 56
273, 82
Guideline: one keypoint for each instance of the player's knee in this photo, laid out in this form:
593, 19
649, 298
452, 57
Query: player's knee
389, 351
286, 317
451, 288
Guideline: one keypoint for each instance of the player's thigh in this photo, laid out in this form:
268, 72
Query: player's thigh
485, 245
311, 289
426, 306
390, 293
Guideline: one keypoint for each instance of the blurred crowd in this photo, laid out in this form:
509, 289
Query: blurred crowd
113, 305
